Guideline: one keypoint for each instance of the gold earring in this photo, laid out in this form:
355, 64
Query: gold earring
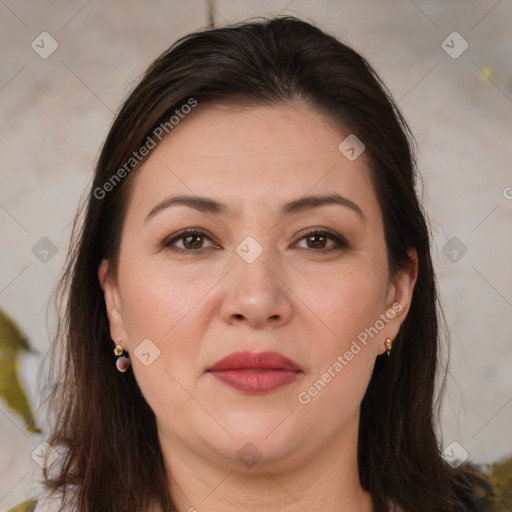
389, 344
122, 359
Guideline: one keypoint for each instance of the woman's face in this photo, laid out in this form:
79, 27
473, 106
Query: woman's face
259, 276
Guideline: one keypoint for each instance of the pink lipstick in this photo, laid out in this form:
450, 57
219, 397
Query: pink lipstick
255, 372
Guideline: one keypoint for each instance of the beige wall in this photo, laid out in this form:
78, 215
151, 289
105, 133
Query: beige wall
56, 112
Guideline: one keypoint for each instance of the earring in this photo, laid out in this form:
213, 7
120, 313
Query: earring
389, 344
122, 359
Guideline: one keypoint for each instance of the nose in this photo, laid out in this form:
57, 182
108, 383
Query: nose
257, 294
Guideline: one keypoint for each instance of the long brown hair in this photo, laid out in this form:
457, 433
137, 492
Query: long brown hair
106, 430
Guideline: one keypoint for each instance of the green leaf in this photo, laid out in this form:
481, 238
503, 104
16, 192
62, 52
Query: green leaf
26, 506
12, 342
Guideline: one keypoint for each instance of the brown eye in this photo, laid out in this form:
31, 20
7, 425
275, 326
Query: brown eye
318, 240
192, 240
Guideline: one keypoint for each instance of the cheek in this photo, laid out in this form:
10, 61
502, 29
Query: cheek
345, 309
157, 296
348, 301
161, 305
343, 358
165, 304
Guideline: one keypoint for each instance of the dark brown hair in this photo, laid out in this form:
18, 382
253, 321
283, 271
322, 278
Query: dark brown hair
103, 424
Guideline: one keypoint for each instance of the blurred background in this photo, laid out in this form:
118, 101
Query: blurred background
67, 66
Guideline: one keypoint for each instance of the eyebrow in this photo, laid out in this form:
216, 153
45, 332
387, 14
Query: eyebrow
208, 205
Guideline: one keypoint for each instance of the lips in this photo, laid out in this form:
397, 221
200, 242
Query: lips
255, 361
255, 372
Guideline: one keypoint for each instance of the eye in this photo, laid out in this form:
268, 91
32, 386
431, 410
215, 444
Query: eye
191, 239
317, 240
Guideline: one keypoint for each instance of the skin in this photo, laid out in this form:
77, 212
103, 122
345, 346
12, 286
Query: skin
198, 307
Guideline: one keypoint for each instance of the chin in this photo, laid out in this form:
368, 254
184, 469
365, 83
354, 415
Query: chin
258, 449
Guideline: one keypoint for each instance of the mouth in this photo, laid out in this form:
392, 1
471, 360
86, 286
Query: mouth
256, 372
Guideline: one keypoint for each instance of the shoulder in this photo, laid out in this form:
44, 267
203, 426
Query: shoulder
26, 506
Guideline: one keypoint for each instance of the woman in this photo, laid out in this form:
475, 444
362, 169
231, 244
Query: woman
252, 318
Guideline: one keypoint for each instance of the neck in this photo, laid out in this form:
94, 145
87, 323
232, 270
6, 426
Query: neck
329, 481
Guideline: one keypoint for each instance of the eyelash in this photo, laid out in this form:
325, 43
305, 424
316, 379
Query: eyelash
340, 241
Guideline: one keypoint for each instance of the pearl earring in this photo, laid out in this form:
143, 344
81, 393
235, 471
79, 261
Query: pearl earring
122, 358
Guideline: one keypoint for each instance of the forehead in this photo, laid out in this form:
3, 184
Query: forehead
252, 157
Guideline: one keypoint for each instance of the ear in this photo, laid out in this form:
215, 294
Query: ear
399, 299
112, 302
